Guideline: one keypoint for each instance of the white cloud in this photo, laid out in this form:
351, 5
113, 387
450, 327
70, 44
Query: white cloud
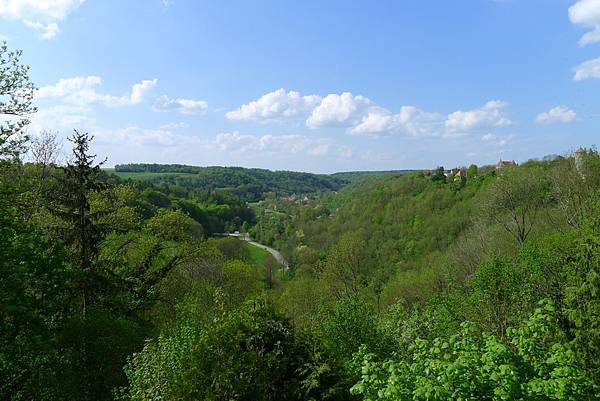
360, 115
338, 110
558, 114
587, 13
41, 15
174, 126
69, 86
410, 120
587, 69
49, 31
140, 91
494, 140
52, 9
275, 106
82, 90
278, 145
491, 114
489, 137
65, 118
62, 118
146, 137
184, 106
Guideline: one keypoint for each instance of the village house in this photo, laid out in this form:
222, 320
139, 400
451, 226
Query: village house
455, 172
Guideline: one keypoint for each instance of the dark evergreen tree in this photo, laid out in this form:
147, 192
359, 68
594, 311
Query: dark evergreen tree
79, 178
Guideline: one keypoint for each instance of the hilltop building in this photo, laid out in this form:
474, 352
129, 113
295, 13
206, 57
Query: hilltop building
505, 163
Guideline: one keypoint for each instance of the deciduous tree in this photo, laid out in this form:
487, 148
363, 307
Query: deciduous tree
16, 98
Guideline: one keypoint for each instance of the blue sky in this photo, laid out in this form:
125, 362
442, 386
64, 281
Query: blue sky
317, 86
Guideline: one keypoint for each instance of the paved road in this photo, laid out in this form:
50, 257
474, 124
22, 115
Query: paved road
276, 254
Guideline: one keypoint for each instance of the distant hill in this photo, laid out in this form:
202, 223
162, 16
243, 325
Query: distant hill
353, 176
250, 184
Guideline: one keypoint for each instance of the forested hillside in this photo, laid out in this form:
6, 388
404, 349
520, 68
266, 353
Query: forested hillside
353, 176
482, 285
248, 184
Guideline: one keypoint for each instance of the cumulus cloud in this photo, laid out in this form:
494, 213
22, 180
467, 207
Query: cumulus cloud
336, 110
183, 106
587, 13
558, 114
141, 91
587, 69
361, 116
490, 114
82, 90
275, 106
409, 120
42, 15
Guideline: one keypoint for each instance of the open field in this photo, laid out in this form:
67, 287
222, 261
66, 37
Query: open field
257, 255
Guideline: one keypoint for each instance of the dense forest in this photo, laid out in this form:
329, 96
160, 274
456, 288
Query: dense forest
243, 183
483, 285
353, 176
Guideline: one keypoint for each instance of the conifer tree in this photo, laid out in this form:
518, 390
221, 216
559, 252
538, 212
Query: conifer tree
80, 177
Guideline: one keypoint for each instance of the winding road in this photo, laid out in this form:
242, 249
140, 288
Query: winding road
276, 254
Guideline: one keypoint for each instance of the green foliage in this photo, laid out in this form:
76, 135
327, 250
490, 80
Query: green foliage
575, 179
346, 266
80, 178
582, 301
475, 366
248, 354
16, 99
97, 348
472, 171
354, 176
497, 295
346, 325
115, 208
34, 282
515, 200
174, 225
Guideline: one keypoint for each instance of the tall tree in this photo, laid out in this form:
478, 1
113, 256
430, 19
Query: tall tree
80, 177
16, 97
575, 180
270, 264
515, 201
